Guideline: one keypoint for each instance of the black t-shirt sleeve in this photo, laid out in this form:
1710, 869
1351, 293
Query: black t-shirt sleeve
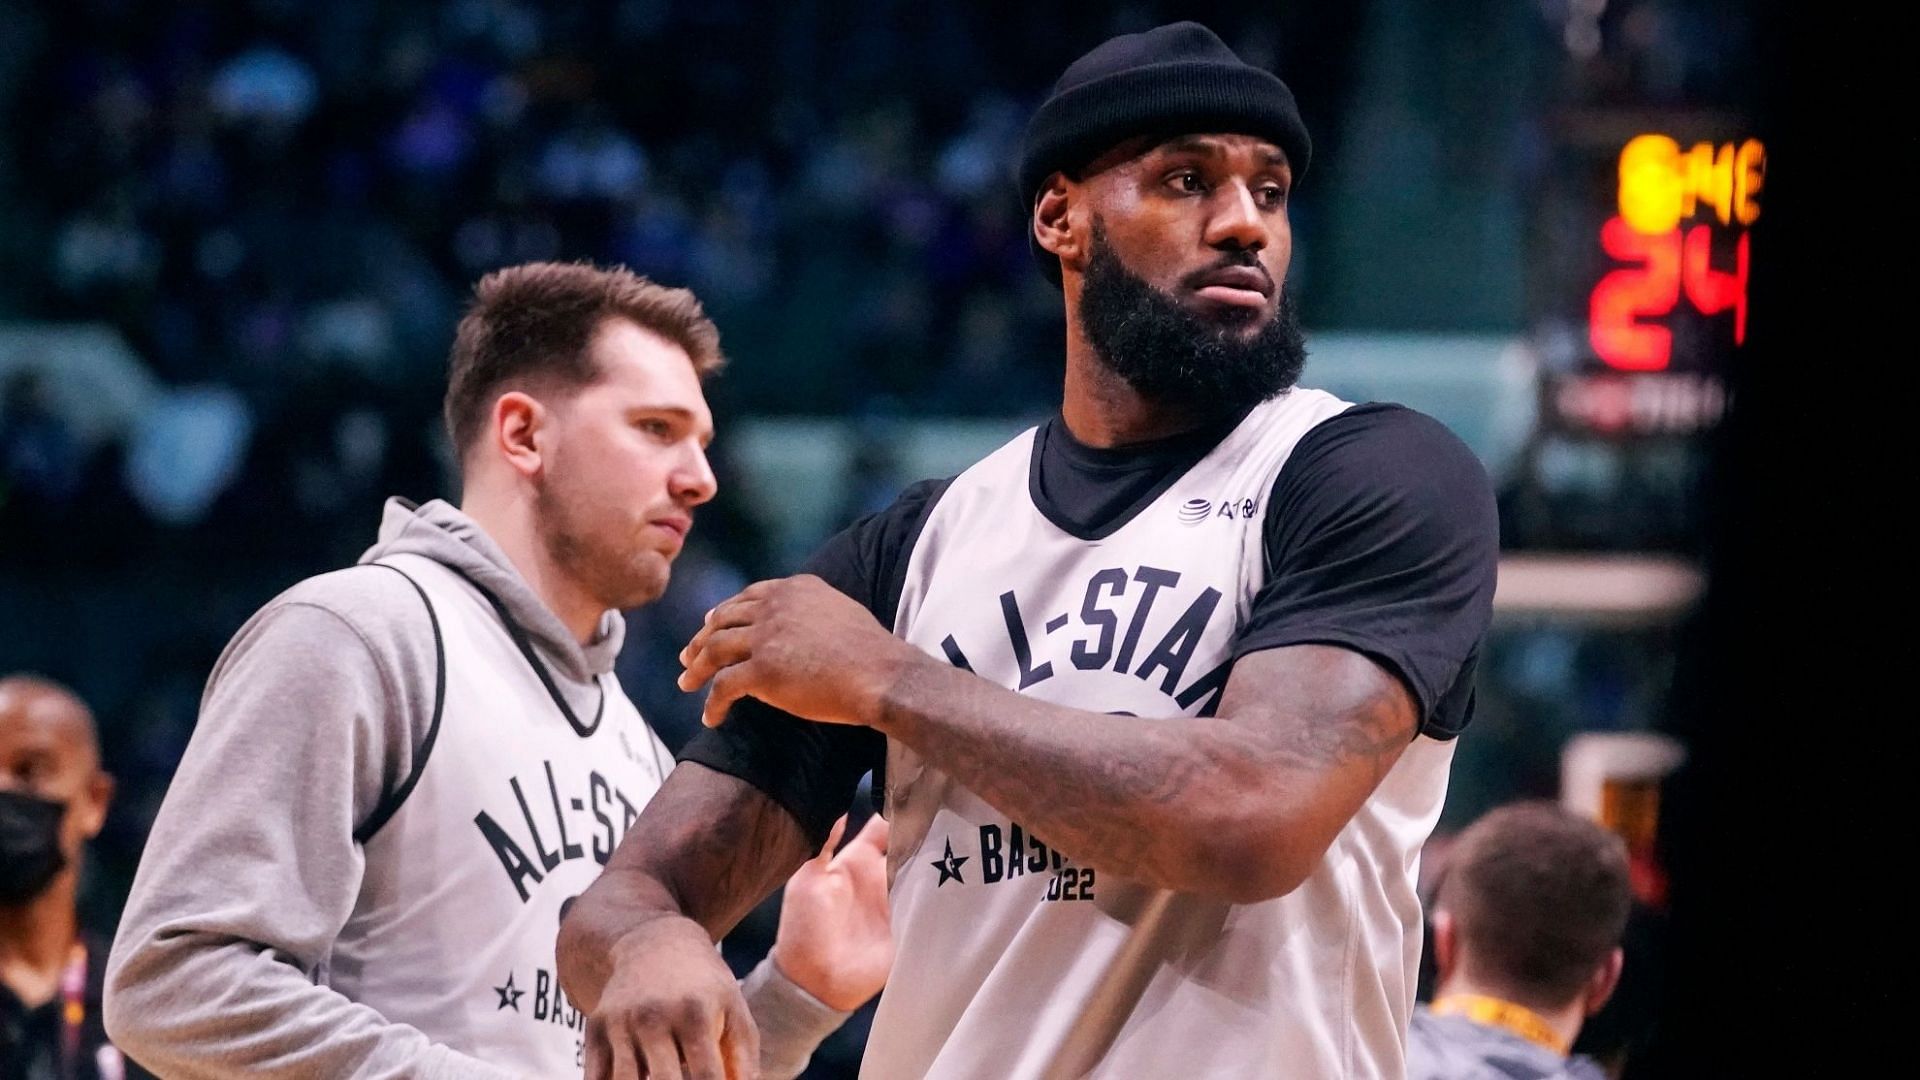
1381, 537
809, 768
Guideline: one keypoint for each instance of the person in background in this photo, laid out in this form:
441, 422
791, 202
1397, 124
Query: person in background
53, 799
1526, 946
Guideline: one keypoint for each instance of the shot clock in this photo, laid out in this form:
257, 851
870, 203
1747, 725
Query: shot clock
1682, 253
1643, 249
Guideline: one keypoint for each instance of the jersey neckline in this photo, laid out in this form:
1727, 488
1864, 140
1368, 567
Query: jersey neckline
1173, 456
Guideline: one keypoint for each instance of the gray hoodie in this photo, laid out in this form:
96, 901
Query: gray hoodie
313, 714
1456, 1048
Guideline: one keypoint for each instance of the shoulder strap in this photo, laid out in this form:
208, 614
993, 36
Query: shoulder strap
391, 802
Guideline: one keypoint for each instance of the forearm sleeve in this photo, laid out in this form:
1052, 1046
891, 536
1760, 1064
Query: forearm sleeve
792, 1022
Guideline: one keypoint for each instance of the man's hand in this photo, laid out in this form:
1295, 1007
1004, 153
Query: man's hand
835, 941
799, 645
671, 1010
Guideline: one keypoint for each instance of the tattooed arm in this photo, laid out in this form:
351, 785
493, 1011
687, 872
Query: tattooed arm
1382, 541
1241, 805
636, 949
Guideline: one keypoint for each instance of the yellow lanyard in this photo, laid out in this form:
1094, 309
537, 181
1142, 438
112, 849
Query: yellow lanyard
1518, 1019
73, 1007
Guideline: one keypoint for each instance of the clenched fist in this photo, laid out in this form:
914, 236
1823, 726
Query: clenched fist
671, 1011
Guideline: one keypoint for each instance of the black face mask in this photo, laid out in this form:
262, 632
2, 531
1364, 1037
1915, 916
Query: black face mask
29, 845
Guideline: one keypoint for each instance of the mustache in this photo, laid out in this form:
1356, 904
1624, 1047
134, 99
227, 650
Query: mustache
1238, 259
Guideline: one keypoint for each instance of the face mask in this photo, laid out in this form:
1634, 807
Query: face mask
29, 845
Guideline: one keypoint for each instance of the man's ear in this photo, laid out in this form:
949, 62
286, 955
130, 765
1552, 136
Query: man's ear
1446, 945
99, 797
1604, 980
515, 426
1053, 222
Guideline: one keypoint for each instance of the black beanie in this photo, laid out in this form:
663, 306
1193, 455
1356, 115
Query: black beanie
1170, 80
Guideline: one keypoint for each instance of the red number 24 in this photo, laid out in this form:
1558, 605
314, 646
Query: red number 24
1667, 263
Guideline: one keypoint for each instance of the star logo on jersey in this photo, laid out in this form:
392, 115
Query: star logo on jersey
509, 997
949, 867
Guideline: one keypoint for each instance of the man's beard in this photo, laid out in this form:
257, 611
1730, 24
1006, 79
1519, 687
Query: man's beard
1175, 356
618, 571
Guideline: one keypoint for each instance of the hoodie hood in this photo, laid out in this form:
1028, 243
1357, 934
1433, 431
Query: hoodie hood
440, 532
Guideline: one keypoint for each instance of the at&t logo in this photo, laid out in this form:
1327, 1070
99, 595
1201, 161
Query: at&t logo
1195, 511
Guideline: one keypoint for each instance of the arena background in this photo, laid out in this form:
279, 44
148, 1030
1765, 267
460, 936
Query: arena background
234, 239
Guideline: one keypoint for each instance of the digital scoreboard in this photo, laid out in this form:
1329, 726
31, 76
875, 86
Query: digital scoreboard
1647, 247
1681, 251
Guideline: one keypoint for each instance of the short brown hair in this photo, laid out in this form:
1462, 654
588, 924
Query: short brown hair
1539, 896
532, 324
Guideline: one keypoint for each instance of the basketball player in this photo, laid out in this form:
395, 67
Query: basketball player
1163, 692
404, 771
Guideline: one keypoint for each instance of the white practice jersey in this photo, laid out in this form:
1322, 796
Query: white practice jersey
513, 815
1014, 962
